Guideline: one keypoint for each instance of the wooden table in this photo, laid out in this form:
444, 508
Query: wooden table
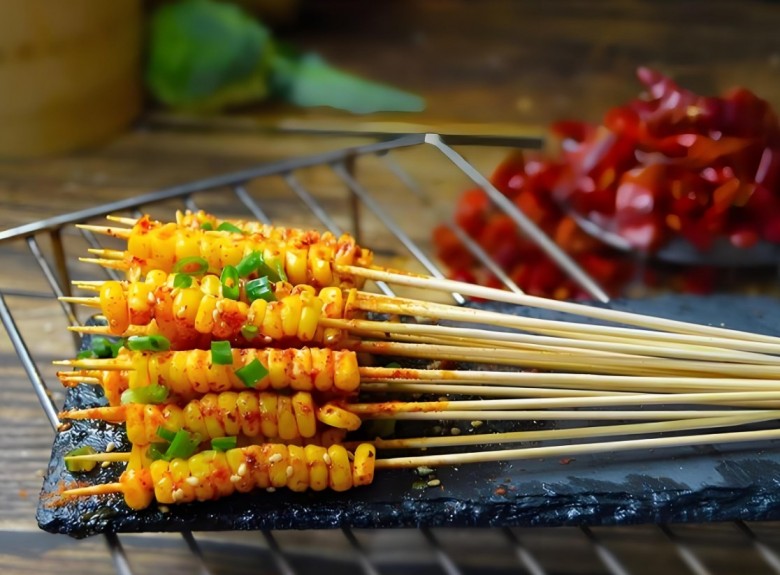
503, 63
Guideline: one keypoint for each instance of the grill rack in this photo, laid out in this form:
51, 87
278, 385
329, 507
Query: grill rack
354, 550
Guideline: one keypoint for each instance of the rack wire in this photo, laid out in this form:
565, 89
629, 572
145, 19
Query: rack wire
612, 551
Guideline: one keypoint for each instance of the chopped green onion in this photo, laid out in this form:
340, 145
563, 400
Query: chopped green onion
251, 373
393, 365
250, 263
206, 226
79, 466
148, 343
221, 354
182, 280
249, 331
230, 285
157, 451
102, 348
165, 434
228, 227
223, 443
86, 354
183, 445
192, 265
259, 288
146, 394
280, 272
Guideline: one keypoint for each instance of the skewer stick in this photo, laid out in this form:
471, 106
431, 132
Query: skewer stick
112, 414
114, 232
483, 390
102, 364
105, 330
87, 301
109, 254
579, 449
122, 220
100, 489
394, 305
74, 381
570, 433
493, 294
571, 415
528, 341
112, 264
112, 456
569, 361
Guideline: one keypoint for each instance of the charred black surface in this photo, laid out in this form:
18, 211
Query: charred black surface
697, 484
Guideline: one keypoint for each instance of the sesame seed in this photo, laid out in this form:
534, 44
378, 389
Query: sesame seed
434, 483
477, 423
215, 315
235, 478
289, 471
178, 494
181, 312
270, 489
192, 480
455, 431
150, 298
110, 447
105, 464
326, 458
242, 469
275, 458
163, 509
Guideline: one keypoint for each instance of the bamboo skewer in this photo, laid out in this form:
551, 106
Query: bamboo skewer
130, 222
493, 294
114, 232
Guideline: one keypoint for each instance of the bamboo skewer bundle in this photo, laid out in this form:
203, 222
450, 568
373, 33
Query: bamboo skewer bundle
663, 375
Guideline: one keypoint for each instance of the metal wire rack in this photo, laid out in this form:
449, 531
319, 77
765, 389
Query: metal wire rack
55, 244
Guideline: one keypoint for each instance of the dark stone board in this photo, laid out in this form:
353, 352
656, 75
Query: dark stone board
695, 484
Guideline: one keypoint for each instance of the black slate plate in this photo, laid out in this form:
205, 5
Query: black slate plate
696, 484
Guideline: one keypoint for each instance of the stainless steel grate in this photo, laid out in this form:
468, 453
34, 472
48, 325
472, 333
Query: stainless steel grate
615, 551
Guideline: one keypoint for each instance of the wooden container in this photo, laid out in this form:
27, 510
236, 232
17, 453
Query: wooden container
69, 71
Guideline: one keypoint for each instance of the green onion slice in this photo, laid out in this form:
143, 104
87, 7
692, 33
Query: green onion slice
148, 343
250, 263
182, 280
221, 353
165, 434
223, 443
251, 373
249, 331
146, 394
86, 354
230, 284
182, 446
192, 265
228, 227
206, 226
259, 288
157, 451
280, 272
80, 466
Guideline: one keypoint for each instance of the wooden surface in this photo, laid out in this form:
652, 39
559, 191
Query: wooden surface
517, 65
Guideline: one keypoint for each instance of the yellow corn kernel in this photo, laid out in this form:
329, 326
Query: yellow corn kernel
240, 473
305, 418
318, 469
200, 467
180, 471
332, 436
113, 302
153, 419
138, 304
177, 382
268, 414
113, 385
320, 269
212, 417
186, 304
204, 318
310, 316
291, 308
323, 364
332, 302
227, 401
137, 488
335, 416
297, 470
301, 370
156, 278
295, 265
186, 244
257, 463
272, 321
210, 284
347, 373
220, 473
211, 251
278, 462
196, 372
340, 476
139, 459
248, 413
139, 372
162, 481
256, 314
194, 419
139, 244
277, 367
173, 417
136, 430
288, 429
363, 465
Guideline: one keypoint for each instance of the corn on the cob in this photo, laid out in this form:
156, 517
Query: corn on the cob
306, 257
188, 374
190, 317
213, 474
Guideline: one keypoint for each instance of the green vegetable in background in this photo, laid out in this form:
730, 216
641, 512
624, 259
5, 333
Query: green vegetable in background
206, 55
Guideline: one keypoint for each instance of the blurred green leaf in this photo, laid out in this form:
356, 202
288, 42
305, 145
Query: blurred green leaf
207, 54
